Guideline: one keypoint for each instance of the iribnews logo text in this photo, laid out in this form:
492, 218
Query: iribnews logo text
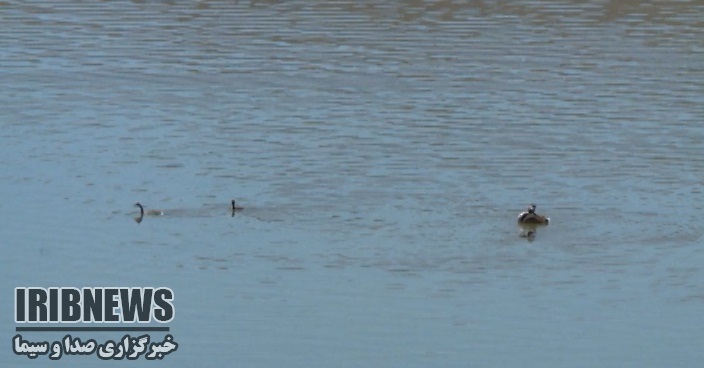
93, 305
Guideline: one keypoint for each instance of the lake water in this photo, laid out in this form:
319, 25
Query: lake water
382, 152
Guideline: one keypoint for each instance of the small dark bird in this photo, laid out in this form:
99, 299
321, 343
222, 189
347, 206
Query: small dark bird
148, 212
235, 207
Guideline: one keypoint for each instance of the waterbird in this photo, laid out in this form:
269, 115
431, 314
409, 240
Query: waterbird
530, 217
148, 212
235, 207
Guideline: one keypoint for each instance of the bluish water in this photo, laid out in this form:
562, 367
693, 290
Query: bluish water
382, 153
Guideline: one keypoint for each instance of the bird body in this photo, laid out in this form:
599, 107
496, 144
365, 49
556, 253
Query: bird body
530, 217
142, 212
235, 207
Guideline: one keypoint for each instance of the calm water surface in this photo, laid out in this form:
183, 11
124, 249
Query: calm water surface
382, 152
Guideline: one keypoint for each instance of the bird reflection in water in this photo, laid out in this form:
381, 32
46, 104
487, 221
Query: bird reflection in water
528, 234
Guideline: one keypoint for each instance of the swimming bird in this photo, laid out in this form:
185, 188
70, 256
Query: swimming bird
148, 212
530, 217
235, 207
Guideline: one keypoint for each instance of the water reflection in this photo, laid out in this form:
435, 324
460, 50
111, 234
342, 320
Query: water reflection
529, 234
